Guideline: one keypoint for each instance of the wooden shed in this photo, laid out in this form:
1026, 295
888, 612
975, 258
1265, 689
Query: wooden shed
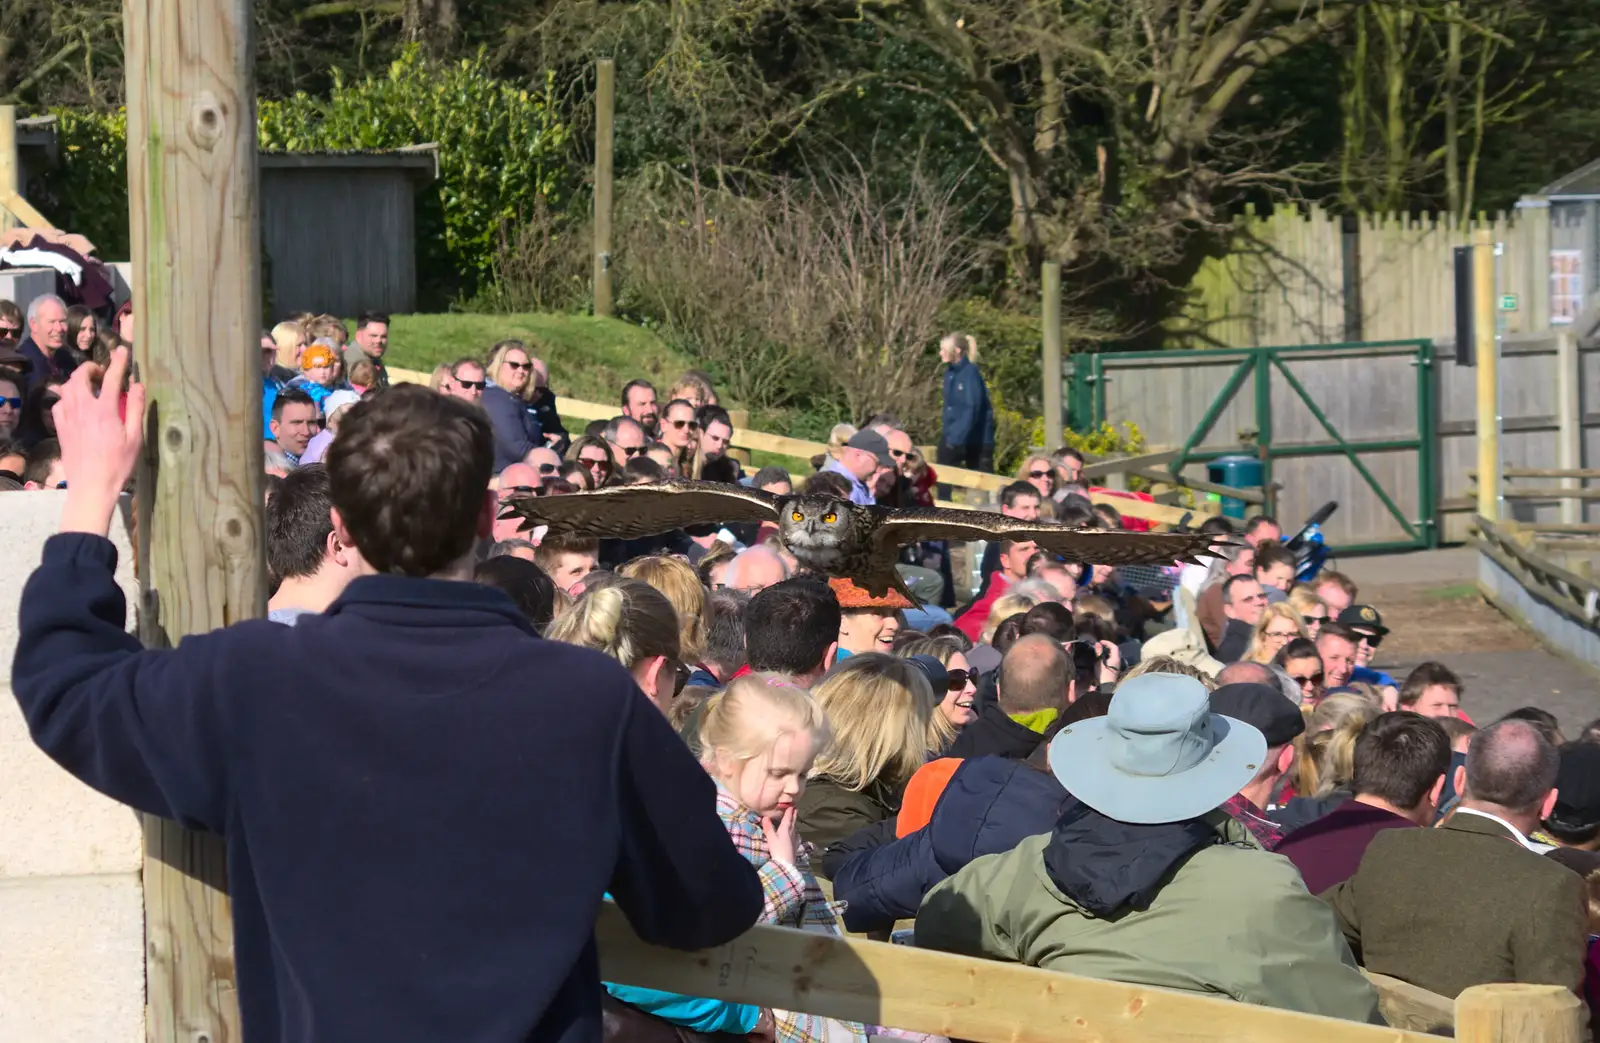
338, 229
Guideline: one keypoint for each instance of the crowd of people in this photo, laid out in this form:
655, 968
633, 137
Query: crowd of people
1196, 777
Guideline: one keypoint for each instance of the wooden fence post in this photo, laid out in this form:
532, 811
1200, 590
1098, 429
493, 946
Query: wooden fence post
1512, 1013
1486, 356
10, 163
1569, 421
1051, 321
196, 255
605, 102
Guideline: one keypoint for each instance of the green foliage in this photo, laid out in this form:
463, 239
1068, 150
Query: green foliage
501, 148
88, 192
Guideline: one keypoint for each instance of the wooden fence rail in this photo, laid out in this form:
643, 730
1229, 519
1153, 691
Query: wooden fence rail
990, 1002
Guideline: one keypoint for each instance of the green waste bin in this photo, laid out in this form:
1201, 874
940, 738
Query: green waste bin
1240, 472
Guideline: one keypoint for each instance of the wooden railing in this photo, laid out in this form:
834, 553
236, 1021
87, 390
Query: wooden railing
989, 1002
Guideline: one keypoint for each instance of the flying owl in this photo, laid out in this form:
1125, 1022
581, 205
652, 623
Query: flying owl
834, 536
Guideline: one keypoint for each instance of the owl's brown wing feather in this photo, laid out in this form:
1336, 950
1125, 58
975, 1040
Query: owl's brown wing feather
630, 511
1091, 546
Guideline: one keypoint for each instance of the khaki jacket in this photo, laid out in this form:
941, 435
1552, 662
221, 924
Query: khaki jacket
1233, 920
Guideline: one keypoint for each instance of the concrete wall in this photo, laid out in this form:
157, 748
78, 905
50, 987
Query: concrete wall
21, 285
71, 892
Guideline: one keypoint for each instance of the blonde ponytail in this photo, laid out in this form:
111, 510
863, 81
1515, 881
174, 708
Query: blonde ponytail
628, 620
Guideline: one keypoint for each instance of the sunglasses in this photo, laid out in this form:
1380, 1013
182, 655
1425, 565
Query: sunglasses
471, 384
1312, 621
679, 425
1285, 634
898, 454
1315, 678
589, 461
14, 403
1038, 474
519, 365
638, 450
958, 679
549, 468
523, 490
680, 678
10, 332
1372, 639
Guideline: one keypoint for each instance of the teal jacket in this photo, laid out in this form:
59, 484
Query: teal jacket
692, 1012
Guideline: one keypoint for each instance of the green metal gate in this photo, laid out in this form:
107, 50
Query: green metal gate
1346, 422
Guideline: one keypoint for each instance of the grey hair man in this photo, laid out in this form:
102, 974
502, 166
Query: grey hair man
45, 346
754, 569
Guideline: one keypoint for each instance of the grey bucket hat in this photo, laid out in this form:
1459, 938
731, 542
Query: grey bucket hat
1159, 754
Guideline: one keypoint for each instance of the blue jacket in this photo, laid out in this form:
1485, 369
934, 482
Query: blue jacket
516, 428
420, 830
989, 806
968, 417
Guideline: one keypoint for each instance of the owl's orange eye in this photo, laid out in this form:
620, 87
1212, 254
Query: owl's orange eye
797, 516
829, 518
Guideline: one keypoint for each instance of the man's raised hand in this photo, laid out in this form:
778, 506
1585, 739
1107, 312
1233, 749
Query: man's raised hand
101, 437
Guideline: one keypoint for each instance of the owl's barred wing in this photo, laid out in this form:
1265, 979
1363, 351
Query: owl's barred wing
630, 511
1091, 546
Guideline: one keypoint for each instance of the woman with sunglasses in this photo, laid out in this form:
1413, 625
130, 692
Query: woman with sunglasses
10, 407
1301, 661
961, 681
516, 428
1038, 471
635, 624
1312, 609
593, 454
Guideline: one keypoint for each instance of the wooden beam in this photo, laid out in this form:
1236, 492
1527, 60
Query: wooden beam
196, 252
1529, 1013
605, 102
23, 211
1100, 467
1256, 496
955, 996
10, 165
1486, 356
1406, 1006
1551, 493
1050, 363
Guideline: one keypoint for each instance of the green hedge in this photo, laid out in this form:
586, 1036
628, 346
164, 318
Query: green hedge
500, 149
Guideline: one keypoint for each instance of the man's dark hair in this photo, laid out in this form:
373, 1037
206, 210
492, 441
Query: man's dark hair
371, 316
643, 469
298, 524
1076, 511
770, 475
950, 630
1217, 525
1340, 631
1297, 648
1016, 491
709, 414
1547, 723
290, 396
1424, 676
1006, 633
466, 360
39, 460
1068, 452
789, 626
595, 429
408, 474
827, 483
1050, 619
723, 469
1034, 676
1271, 553
627, 389
1510, 763
525, 583
1258, 522
1232, 582
1399, 756
725, 611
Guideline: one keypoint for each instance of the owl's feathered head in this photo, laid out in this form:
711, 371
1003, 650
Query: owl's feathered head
817, 520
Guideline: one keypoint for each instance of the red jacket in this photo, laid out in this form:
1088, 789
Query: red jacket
971, 622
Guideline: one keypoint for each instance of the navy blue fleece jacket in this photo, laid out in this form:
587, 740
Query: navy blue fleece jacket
422, 801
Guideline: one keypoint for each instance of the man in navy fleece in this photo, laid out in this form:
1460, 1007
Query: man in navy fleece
420, 829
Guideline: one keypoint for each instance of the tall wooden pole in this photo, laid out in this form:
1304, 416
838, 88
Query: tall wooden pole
1569, 421
10, 164
197, 313
1051, 321
1486, 352
605, 103
1526, 1013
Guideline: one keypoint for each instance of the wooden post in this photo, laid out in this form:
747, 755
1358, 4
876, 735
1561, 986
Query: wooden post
1051, 319
1569, 421
1518, 1014
605, 103
1486, 351
196, 254
1533, 215
10, 164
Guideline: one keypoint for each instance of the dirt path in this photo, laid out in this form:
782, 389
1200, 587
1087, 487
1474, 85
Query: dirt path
1430, 602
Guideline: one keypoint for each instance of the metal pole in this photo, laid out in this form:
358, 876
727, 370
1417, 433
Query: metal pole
605, 102
1569, 422
1051, 320
1487, 355
196, 238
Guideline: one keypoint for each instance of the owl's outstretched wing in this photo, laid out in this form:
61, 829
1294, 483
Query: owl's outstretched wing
1090, 546
628, 512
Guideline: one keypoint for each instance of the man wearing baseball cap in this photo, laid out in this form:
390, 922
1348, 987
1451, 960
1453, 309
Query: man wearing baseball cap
1367, 624
860, 460
1145, 879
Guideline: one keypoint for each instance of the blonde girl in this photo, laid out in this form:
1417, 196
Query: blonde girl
290, 339
878, 710
759, 739
680, 583
1279, 624
1325, 754
1005, 606
635, 624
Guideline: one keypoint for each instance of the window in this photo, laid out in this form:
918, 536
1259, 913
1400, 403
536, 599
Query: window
1566, 286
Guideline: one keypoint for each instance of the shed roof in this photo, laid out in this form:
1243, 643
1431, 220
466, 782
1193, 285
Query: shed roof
1583, 182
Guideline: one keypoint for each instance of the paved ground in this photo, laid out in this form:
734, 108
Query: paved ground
1430, 601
